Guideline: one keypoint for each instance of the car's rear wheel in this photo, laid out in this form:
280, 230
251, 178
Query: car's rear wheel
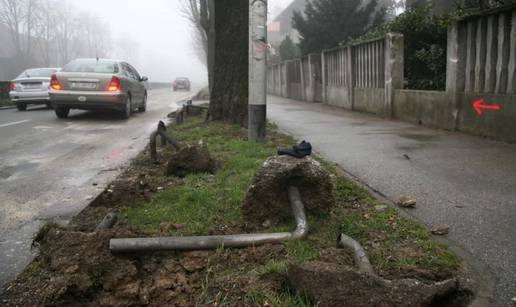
62, 112
21, 106
126, 112
143, 108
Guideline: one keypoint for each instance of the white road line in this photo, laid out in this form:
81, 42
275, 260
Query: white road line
14, 123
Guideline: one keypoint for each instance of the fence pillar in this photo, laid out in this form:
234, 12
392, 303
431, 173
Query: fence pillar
303, 81
394, 57
310, 93
283, 72
455, 70
350, 76
323, 69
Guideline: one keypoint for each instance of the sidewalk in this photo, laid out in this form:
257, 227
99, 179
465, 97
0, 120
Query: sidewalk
466, 182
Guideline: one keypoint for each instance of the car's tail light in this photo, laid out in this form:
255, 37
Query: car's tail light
12, 86
114, 85
54, 83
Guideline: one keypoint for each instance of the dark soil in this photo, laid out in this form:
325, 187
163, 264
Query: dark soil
336, 285
191, 159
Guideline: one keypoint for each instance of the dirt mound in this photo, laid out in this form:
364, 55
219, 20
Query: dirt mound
190, 160
267, 197
78, 268
337, 285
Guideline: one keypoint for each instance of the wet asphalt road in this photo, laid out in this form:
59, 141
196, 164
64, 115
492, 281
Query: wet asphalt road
50, 169
466, 182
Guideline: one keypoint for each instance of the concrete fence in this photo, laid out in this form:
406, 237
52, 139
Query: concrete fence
368, 77
360, 77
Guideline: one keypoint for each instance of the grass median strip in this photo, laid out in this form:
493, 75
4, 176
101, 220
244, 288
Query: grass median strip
5, 102
206, 203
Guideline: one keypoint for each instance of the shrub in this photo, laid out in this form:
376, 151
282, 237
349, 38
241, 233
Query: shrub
425, 46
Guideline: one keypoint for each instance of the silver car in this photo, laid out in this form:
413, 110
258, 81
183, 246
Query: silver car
93, 84
31, 87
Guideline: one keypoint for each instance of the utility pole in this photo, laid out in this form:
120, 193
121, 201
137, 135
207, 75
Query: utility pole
257, 70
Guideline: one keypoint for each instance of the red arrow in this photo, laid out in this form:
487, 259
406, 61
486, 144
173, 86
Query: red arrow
479, 105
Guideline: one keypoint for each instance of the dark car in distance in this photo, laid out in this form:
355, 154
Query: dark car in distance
182, 84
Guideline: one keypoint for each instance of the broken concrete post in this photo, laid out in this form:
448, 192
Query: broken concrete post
267, 200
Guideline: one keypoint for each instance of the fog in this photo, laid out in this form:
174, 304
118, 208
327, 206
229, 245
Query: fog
154, 36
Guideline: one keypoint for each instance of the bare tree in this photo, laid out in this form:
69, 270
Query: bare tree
12, 15
46, 22
200, 14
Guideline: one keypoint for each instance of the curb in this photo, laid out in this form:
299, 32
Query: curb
7, 108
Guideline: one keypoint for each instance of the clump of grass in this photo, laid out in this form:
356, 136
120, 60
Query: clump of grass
4, 102
302, 250
272, 267
273, 299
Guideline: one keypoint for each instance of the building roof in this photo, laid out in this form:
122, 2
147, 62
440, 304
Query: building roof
281, 26
286, 15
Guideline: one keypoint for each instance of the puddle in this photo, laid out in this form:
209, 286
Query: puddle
8, 171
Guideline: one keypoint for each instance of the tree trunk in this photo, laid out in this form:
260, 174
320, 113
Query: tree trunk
229, 98
211, 44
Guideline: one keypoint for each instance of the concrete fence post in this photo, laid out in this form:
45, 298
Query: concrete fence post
323, 70
283, 72
455, 71
350, 76
310, 94
394, 75
303, 81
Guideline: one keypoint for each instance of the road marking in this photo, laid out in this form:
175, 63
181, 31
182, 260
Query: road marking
14, 123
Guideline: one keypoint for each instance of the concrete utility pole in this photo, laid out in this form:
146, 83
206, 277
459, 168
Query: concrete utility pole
257, 70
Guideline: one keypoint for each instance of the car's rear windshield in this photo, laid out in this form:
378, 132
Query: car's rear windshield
100, 66
37, 72
182, 79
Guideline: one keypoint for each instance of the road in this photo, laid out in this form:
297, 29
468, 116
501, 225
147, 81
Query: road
51, 169
466, 182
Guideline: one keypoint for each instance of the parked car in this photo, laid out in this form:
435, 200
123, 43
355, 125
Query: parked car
182, 83
31, 87
98, 84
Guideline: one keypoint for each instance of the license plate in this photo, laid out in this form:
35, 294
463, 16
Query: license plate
83, 85
31, 86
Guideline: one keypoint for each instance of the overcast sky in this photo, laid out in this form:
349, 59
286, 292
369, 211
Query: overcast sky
160, 35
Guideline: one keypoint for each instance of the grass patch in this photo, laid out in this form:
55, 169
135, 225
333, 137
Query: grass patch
273, 299
4, 102
204, 201
272, 267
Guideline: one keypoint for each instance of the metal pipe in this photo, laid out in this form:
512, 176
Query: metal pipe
162, 132
131, 245
359, 255
108, 221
